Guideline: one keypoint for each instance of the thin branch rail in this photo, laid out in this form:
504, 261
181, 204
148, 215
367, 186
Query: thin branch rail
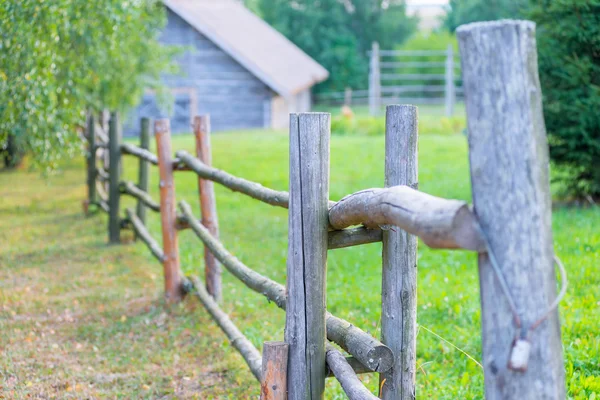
353, 237
131, 189
369, 351
102, 174
144, 235
440, 223
342, 370
132, 150
251, 355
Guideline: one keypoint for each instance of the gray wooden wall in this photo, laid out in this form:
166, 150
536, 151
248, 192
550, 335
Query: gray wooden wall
234, 98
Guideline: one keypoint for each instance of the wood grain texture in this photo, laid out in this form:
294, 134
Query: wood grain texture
307, 254
353, 237
399, 275
440, 223
368, 350
114, 172
143, 177
208, 206
142, 233
357, 367
168, 216
273, 384
353, 387
508, 153
237, 338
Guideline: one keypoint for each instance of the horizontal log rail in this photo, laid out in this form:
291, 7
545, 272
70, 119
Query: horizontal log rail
440, 223
132, 190
369, 351
132, 150
251, 355
102, 174
101, 146
142, 233
249, 188
356, 365
103, 206
353, 237
342, 370
101, 134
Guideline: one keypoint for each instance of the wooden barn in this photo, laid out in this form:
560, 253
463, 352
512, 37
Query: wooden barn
236, 68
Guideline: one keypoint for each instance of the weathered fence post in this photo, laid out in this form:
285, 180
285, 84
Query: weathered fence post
450, 90
143, 167
374, 81
104, 122
511, 196
168, 213
273, 383
399, 281
91, 160
208, 205
307, 254
114, 150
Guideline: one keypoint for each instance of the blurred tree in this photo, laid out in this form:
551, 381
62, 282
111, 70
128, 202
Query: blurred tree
61, 56
466, 11
338, 34
568, 37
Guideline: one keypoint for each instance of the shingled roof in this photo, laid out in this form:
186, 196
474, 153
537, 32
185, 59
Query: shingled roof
266, 53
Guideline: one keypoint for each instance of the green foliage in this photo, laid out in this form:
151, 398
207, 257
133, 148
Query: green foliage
62, 56
467, 11
339, 34
568, 37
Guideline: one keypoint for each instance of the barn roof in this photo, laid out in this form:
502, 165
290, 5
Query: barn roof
266, 53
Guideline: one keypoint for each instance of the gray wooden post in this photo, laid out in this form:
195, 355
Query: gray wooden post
399, 281
91, 160
511, 196
114, 149
143, 167
307, 254
374, 81
450, 90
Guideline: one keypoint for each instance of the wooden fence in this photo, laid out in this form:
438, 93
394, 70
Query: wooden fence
509, 228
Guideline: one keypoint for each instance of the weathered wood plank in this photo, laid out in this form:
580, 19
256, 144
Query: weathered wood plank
273, 384
399, 275
208, 206
247, 350
142, 233
114, 172
440, 223
368, 350
511, 194
143, 177
168, 215
307, 254
352, 237
353, 387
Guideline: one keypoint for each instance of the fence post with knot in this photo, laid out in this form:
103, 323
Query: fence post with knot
511, 196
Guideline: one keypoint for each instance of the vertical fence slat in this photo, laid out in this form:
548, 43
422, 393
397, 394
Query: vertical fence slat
143, 167
450, 90
104, 122
114, 150
307, 254
511, 196
399, 280
374, 81
273, 384
91, 161
208, 205
168, 212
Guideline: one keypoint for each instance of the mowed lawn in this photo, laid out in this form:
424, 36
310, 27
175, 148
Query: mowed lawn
80, 319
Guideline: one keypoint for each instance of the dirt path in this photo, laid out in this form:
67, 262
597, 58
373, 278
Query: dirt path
81, 320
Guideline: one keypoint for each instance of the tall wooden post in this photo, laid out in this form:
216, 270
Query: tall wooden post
511, 196
307, 254
104, 120
143, 167
450, 90
168, 212
399, 281
208, 205
114, 150
91, 160
374, 81
273, 383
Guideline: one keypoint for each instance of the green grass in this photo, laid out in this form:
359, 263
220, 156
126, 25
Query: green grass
103, 303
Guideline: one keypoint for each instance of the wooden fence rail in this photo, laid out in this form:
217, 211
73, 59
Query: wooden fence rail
518, 286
